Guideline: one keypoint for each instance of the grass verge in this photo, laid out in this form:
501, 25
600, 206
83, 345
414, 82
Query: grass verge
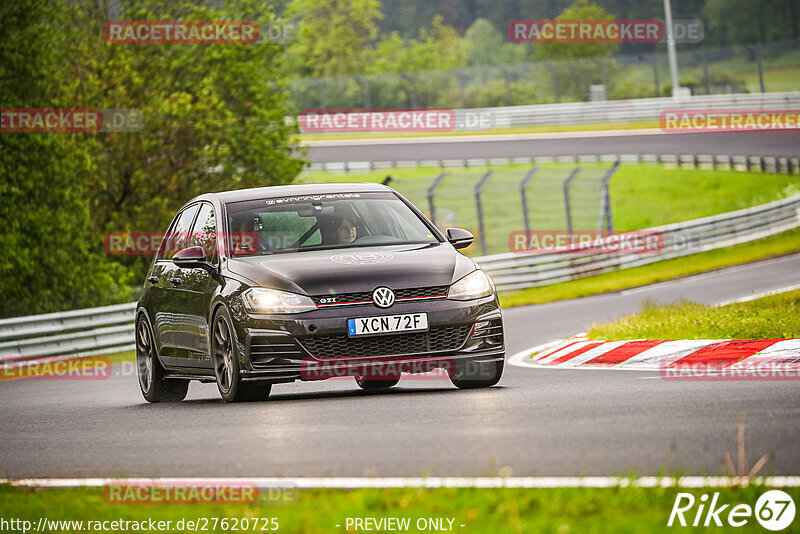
563, 511
642, 195
772, 317
778, 244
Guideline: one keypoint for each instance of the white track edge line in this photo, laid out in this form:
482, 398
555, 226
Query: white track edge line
421, 482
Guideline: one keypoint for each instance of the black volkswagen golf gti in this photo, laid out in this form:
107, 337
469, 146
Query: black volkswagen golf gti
308, 282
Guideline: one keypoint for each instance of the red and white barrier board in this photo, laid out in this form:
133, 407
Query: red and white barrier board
754, 359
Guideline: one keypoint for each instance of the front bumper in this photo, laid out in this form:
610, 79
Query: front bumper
315, 345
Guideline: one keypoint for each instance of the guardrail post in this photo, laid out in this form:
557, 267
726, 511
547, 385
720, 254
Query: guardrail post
523, 189
481, 228
567, 206
606, 217
431, 190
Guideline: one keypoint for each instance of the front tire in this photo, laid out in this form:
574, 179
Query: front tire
225, 357
469, 374
152, 380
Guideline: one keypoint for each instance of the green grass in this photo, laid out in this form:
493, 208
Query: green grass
782, 243
773, 317
551, 128
642, 196
562, 511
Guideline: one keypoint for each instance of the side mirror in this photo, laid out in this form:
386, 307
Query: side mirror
191, 258
459, 238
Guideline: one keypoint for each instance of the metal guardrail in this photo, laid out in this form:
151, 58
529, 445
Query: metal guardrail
513, 271
77, 333
641, 109
111, 328
787, 165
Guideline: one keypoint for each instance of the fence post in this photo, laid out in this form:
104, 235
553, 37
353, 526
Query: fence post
606, 217
431, 189
523, 189
567, 207
481, 227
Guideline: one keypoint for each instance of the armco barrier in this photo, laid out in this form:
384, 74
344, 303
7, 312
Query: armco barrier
519, 270
772, 164
621, 111
111, 329
78, 333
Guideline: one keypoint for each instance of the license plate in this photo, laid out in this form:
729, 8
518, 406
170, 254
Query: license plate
385, 324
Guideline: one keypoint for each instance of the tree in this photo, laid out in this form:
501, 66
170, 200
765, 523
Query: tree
214, 115
580, 10
578, 65
50, 259
332, 35
487, 46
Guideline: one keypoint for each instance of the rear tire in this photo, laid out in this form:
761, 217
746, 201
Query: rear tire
152, 380
369, 384
469, 375
225, 357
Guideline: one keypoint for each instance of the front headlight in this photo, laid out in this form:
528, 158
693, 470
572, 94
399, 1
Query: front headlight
260, 300
473, 286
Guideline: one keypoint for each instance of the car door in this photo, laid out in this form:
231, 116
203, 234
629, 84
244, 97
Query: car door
170, 321
194, 288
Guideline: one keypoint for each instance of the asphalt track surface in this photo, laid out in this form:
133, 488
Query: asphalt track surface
765, 143
536, 421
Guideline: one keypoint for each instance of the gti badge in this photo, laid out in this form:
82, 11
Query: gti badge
383, 297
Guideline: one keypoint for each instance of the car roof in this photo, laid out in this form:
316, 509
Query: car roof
291, 190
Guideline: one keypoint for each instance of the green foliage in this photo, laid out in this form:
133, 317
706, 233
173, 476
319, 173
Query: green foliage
333, 35
50, 260
214, 119
214, 116
488, 46
580, 10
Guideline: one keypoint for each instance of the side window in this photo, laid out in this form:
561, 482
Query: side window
178, 235
204, 232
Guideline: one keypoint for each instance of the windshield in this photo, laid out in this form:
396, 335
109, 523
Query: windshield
314, 222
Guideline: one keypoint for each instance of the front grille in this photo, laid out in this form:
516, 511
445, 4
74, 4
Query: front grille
266, 348
490, 332
437, 339
365, 297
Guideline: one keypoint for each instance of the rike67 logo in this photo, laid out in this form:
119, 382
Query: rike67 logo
774, 510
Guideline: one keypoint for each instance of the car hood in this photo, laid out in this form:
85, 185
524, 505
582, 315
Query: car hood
357, 269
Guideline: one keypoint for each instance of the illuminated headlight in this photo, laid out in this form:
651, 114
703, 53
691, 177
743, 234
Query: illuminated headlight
261, 300
473, 286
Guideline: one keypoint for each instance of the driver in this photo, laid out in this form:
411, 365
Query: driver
339, 229
247, 238
345, 231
